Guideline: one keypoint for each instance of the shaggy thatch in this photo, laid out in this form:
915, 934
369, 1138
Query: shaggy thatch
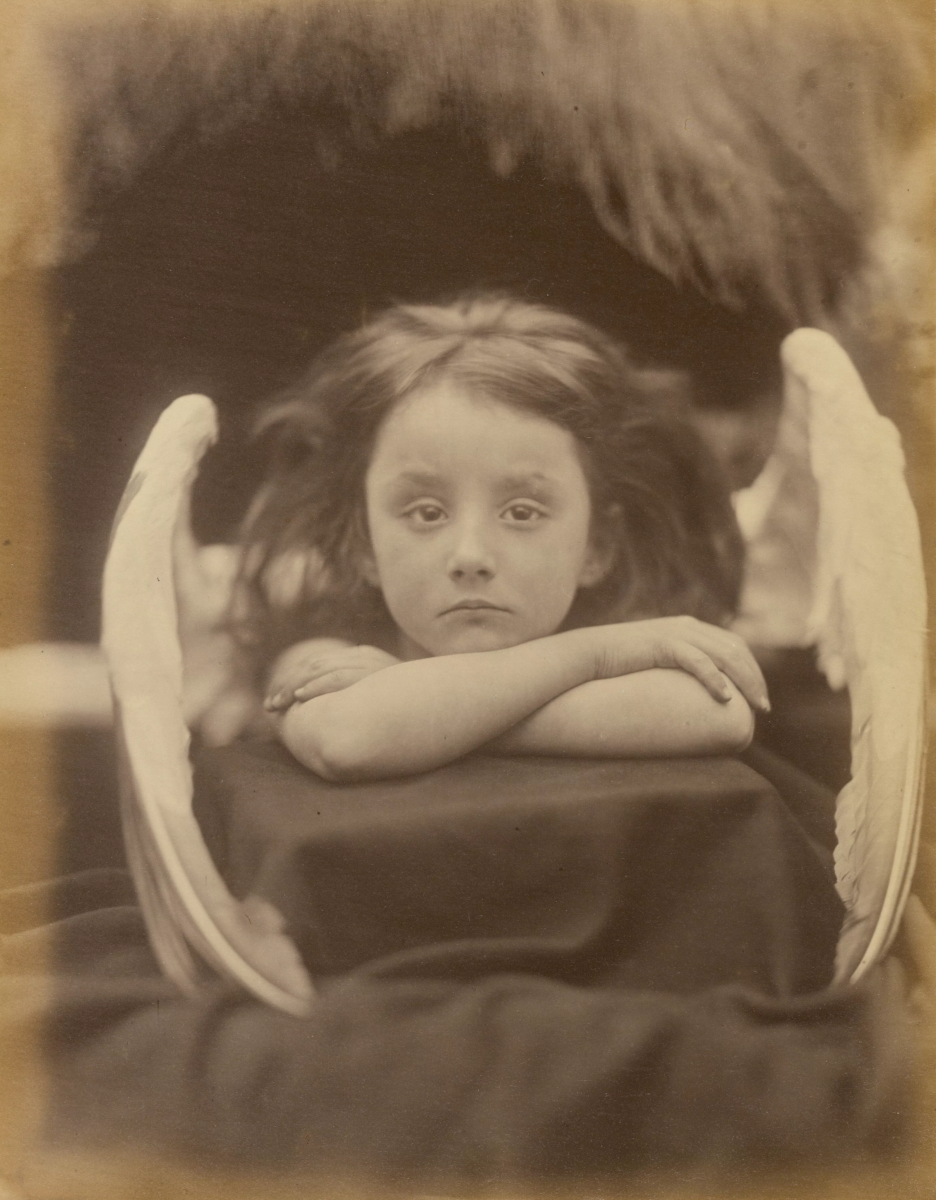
743, 146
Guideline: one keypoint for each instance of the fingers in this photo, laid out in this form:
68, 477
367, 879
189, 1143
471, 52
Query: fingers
293, 671
330, 681
739, 664
321, 685
697, 663
317, 676
284, 686
731, 654
279, 701
712, 655
290, 694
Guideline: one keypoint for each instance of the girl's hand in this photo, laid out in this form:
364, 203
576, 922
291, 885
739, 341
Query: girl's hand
319, 666
686, 644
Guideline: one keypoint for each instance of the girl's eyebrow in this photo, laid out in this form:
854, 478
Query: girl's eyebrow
532, 480
419, 478
515, 482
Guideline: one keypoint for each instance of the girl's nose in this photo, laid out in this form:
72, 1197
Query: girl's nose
471, 557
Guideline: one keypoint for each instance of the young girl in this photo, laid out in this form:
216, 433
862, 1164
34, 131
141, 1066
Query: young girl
505, 540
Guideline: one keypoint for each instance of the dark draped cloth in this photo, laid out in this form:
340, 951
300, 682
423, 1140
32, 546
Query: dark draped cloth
481, 1022
667, 875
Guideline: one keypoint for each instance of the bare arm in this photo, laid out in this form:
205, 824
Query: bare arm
658, 713
415, 716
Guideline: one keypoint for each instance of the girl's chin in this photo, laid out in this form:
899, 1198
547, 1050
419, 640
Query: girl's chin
468, 638
474, 641
475, 645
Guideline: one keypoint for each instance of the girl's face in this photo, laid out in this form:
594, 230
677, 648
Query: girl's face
480, 523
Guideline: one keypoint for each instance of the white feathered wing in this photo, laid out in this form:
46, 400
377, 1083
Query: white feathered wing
833, 504
196, 927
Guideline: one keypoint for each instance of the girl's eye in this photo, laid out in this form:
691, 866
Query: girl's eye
523, 514
425, 514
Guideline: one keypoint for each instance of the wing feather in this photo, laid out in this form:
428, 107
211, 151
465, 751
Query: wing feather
868, 621
196, 927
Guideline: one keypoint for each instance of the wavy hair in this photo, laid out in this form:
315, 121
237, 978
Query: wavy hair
658, 498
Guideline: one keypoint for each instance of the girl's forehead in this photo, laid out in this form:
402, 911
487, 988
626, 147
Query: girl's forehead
447, 430
451, 417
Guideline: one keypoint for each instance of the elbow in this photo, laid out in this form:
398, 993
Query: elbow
339, 759
326, 745
736, 726
329, 764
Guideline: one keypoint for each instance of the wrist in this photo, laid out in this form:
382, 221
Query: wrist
620, 649
584, 647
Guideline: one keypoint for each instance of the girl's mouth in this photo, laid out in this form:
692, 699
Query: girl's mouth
473, 606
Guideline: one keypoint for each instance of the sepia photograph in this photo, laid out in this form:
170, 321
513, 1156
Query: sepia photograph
468, 492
